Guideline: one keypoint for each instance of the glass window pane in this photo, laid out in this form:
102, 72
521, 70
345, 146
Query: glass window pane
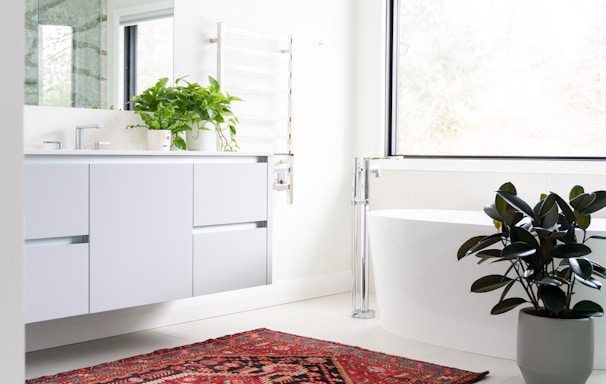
502, 78
154, 52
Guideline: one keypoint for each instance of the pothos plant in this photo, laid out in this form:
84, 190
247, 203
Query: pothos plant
188, 107
156, 107
543, 249
208, 108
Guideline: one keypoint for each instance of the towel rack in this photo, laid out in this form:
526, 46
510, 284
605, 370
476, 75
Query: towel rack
258, 68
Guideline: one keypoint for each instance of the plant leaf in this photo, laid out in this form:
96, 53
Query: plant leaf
516, 202
581, 267
489, 283
492, 212
507, 305
553, 298
476, 244
550, 281
545, 206
564, 251
583, 221
489, 253
588, 308
575, 191
518, 250
519, 234
499, 203
582, 201
598, 203
591, 283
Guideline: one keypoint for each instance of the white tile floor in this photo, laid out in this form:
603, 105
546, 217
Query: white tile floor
324, 318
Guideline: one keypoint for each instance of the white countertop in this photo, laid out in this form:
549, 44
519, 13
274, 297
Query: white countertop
131, 152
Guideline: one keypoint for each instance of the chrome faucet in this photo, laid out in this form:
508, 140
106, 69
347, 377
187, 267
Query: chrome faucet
79, 128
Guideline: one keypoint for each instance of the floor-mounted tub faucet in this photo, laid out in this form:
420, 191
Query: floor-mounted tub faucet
79, 128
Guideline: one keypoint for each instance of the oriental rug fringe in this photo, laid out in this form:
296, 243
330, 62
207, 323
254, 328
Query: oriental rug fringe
263, 356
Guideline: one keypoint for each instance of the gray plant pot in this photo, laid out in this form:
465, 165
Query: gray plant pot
554, 351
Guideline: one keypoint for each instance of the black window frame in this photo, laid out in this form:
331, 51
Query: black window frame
130, 65
391, 100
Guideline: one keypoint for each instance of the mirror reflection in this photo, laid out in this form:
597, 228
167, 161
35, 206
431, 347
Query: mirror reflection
95, 54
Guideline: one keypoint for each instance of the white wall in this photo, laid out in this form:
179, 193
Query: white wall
311, 236
11, 204
311, 239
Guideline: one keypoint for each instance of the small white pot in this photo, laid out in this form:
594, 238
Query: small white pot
201, 140
158, 139
554, 351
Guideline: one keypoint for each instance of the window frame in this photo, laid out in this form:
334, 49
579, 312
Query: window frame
392, 53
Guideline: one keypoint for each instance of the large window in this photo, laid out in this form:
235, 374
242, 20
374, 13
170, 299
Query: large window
500, 78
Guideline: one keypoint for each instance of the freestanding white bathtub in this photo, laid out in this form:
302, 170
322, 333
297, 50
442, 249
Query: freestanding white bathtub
423, 292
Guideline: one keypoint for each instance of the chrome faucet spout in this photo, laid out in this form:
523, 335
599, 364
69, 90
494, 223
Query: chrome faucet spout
79, 128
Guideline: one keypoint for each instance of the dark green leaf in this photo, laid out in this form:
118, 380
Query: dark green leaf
477, 243
519, 234
489, 253
553, 298
545, 206
588, 308
516, 202
549, 212
550, 281
598, 203
500, 204
582, 201
518, 250
563, 251
575, 191
581, 267
489, 283
507, 305
492, 212
566, 210
591, 283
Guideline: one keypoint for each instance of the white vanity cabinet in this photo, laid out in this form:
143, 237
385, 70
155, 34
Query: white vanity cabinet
140, 242
56, 281
56, 241
106, 231
56, 200
230, 226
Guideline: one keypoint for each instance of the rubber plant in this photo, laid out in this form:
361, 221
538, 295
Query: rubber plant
208, 106
543, 249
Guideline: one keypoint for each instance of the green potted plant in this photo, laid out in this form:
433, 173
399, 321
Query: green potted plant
208, 110
545, 257
160, 114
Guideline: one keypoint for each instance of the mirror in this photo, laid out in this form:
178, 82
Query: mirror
76, 49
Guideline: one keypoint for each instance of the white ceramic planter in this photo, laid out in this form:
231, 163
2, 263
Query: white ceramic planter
554, 351
158, 139
201, 140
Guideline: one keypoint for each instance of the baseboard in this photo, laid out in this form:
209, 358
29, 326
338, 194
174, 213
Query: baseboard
49, 334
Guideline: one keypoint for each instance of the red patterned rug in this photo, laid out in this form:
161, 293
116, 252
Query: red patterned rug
263, 356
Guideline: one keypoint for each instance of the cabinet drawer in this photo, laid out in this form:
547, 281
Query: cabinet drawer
56, 281
230, 193
56, 200
230, 259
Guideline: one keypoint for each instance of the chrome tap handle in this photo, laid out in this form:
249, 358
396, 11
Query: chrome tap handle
98, 144
58, 143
